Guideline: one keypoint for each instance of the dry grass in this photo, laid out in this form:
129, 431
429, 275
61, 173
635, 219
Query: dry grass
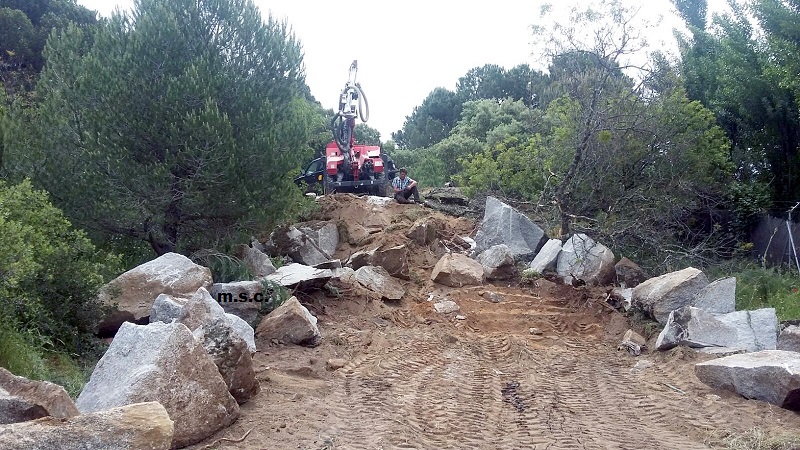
758, 439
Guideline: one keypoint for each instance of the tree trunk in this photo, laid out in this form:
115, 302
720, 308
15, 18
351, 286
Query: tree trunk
166, 240
563, 193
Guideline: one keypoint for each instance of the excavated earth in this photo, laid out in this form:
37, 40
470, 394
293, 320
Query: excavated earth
416, 379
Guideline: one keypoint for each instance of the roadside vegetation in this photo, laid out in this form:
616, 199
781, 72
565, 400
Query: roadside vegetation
758, 439
762, 287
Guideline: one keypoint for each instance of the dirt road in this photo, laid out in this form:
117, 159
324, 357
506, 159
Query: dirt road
421, 380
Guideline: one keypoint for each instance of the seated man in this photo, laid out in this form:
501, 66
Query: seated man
404, 187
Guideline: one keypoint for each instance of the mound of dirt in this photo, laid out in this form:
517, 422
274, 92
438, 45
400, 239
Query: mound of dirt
517, 366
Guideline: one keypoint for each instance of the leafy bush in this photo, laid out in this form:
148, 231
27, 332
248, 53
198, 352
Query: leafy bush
21, 354
224, 268
274, 296
49, 273
424, 165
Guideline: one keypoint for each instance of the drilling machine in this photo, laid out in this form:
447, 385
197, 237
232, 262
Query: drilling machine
350, 167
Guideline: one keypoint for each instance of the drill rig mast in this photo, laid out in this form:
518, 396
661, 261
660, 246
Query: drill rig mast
351, 167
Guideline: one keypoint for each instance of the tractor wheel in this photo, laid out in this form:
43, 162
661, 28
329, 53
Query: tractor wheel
326, 187
380, 190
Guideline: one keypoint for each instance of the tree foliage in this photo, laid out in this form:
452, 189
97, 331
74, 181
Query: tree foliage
434, 119
49, 272
749, 83
631, 159
366, 135
24, 28
177, 125
431, 121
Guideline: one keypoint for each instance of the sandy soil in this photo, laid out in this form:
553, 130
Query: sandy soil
421, 380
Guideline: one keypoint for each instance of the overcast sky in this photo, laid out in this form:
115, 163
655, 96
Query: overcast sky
405, 49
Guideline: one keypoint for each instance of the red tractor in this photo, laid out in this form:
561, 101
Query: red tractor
350, 167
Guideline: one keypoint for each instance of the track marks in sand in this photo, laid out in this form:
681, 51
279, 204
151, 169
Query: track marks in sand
492, 392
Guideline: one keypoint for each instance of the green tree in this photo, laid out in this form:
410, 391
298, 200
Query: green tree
741, 79
366, 135
494, 82
634, 161
781, 21
49, 272
178, 125
4, 127
492, 121
423, 164
18, 37
485, 82
24, 28
431, 121
517, 167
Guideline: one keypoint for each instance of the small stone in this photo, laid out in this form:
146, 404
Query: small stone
535, 330
446, 307
460, 317
335, 363
274, 341
493, 297
634, 337
713, 397
641, 365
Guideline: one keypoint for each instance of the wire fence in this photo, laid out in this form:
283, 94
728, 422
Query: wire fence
775, 240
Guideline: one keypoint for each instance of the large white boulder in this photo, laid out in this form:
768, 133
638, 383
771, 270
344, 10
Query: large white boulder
694, 327
394, 259
719, 297
300, 276
135, 290
547, 257
22, 399
497, 262
222, 340
162, 363
290, 323
231, 355
659, 296
757, 329
457, 270
241, 298
789, 339
378, 280
502, 224
130, 427
308, 243
581, 258
769, 375
167, 308
257, 262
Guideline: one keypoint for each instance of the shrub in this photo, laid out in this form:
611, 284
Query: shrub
49, 272
20, 354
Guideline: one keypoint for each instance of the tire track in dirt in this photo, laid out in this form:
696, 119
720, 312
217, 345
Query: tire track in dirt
429, 389
483, 393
